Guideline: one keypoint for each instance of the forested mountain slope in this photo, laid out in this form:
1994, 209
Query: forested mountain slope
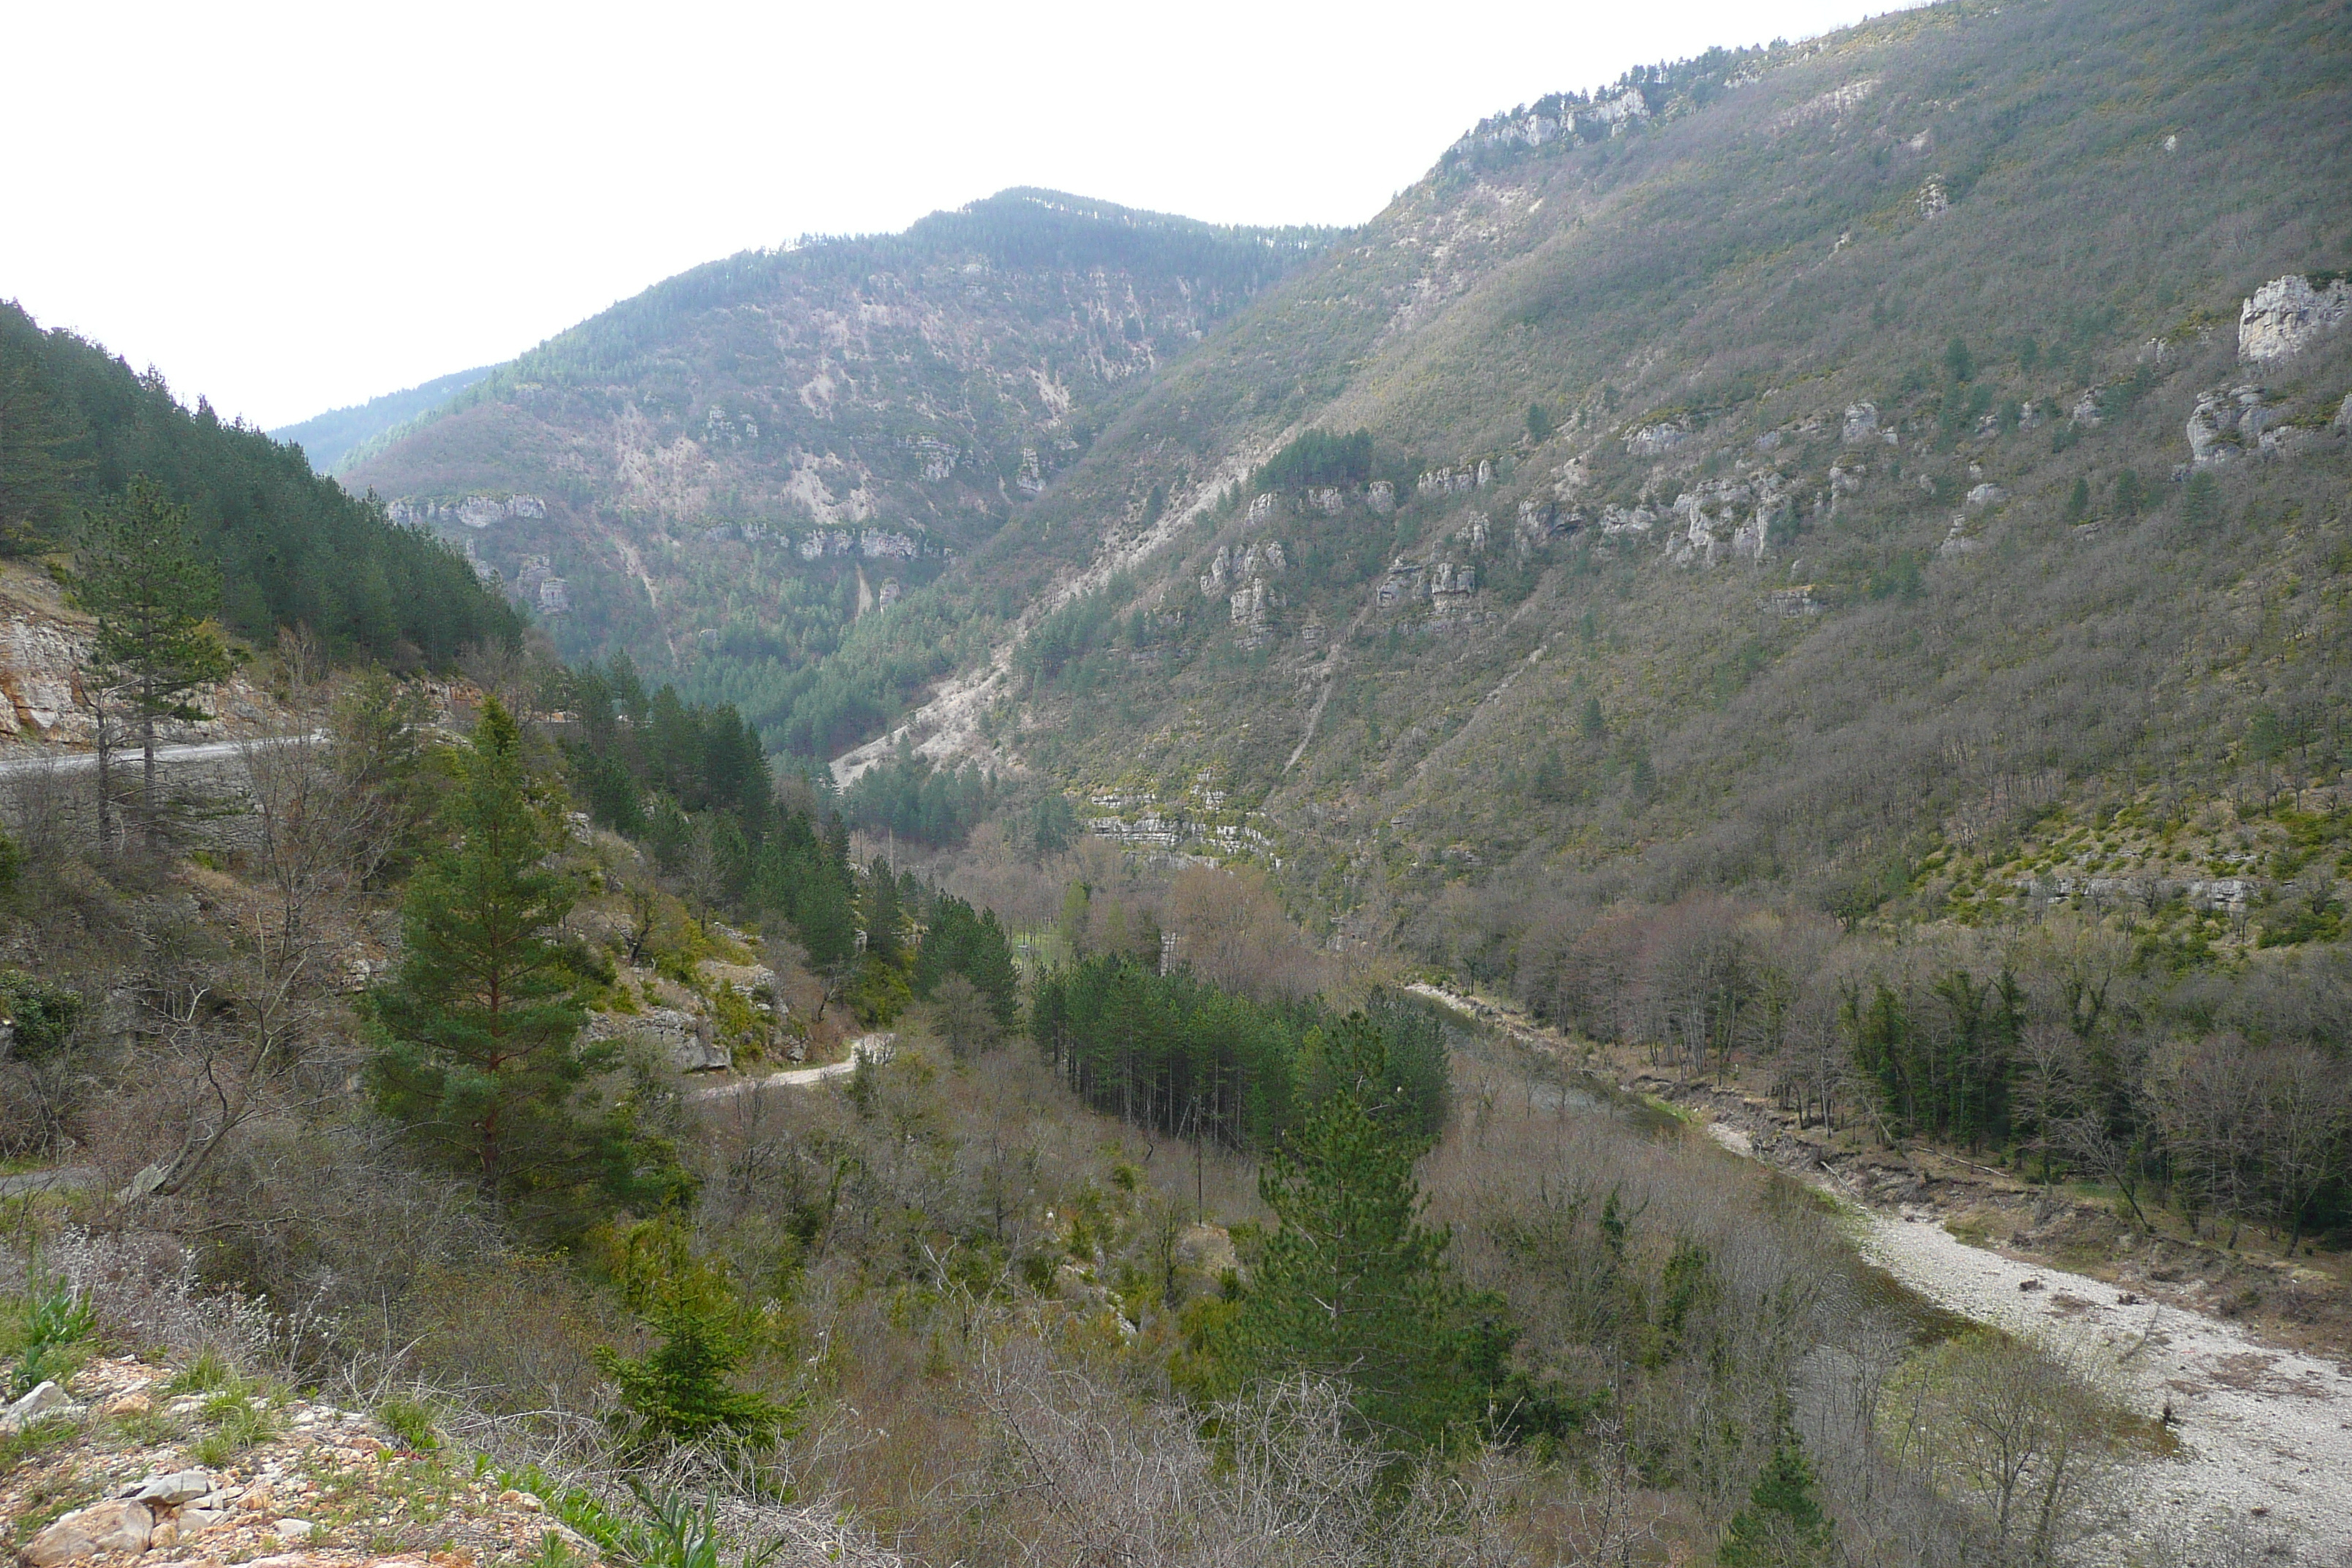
78, 424
1802, 469
723, 472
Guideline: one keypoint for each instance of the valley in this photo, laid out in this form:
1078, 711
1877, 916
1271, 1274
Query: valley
1645, 862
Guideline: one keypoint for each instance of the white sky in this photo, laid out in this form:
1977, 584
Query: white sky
291, 207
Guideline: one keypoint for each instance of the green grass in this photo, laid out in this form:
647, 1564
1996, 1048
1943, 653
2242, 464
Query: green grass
36, 1440
239, 1414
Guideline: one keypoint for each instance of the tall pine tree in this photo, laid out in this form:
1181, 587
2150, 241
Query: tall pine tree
481, 1061
1353, 1286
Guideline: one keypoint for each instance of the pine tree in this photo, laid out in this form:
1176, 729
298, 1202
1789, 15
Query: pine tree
1353, 1284
679, 1389
480, 1059
137, 570
1783, 1525
2078, 502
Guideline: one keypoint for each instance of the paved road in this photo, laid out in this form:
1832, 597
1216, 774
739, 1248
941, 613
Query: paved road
66, 1178
870, 1047
30, 759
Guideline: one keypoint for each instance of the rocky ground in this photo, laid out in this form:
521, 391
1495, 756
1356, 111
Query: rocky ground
132, 1461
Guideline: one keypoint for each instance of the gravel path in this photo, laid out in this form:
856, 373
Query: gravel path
2265, 1434
870, 1047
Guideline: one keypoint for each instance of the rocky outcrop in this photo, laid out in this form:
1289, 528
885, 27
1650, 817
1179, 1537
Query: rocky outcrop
473, 512
1656, 440
1458, 478
1618, 522
2231, 423
1563, 117
688, 1040
1729, 519
2287, 313
537, 586
1861, 424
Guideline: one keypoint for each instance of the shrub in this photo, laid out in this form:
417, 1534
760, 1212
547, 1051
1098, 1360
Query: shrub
680, 1389
410, 1421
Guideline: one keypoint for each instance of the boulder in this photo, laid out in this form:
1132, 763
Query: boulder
120, 1525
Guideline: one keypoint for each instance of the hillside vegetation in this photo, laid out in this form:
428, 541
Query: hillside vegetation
1788, 490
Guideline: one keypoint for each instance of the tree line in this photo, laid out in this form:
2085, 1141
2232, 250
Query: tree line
2056, 1049
1180, 1056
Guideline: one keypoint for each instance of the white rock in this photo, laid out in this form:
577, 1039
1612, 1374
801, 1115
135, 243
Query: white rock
46, 1399
171, 1490
2286, 313
1654, 440
1986, 495
294, 1529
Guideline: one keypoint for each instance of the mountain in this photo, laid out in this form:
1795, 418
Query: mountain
340, 437
77, 424
722, 473
1854, 472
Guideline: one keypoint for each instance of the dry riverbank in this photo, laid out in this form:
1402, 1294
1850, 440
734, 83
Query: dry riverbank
2264, 1428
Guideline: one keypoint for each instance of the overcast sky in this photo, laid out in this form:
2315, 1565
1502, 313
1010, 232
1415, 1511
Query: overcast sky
288, 208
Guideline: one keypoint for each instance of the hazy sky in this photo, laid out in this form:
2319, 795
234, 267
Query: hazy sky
286, 208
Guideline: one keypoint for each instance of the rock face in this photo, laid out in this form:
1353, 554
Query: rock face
2287, 313
40, 681
690, 1041
1861, 423
1727, 517
1656, 440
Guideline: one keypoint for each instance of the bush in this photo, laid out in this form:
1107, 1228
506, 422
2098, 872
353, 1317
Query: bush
56, 1319
36, 1015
